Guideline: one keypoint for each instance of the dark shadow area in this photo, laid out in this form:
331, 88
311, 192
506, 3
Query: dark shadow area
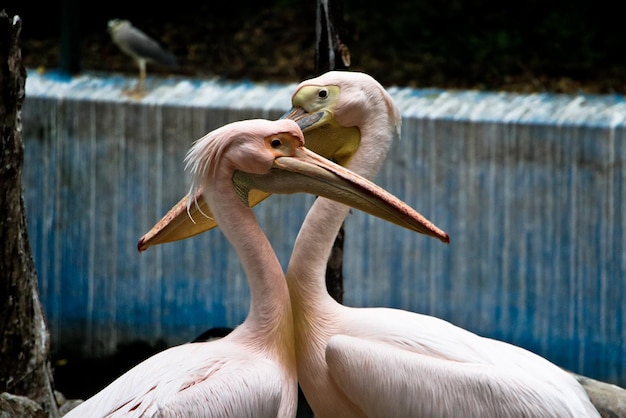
79, 377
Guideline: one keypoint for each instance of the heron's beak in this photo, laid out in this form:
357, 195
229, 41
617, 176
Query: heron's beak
307, 172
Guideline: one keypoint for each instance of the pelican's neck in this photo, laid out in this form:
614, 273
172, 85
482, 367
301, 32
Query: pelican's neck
306, 274
307, 267
269, 298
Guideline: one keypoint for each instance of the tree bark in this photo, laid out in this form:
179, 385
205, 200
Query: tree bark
332, 54
24, 340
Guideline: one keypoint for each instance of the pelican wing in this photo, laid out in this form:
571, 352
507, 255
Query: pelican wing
425, 365
199, 379
387, 381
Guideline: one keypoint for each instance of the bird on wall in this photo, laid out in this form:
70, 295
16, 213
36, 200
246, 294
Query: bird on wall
143, 49
355, 362
251, 371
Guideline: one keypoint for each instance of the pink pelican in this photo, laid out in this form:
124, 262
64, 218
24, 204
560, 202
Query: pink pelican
375, 362
251, 371
357, 362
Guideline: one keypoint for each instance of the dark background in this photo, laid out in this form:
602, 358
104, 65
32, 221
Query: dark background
557, 46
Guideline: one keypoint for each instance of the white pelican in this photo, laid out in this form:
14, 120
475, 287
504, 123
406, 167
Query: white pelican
378, 361
381, 362
251, 372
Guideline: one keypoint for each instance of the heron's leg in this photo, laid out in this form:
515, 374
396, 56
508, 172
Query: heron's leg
142, 75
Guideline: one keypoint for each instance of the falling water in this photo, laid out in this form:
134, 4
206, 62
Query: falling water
531, 189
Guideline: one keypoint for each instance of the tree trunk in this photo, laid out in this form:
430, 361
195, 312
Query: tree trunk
332, 54
24, 340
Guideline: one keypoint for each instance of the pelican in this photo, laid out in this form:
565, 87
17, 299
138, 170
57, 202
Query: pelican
375, 362
251, 372
356, 362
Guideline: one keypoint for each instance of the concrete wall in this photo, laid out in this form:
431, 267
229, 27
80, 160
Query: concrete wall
531, 190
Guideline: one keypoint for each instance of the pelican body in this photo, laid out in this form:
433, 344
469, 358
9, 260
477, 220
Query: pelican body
251, 371
381, 362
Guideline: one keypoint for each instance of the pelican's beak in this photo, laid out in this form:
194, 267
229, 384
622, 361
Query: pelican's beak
325, 136
308, 172
184, 221
304, 119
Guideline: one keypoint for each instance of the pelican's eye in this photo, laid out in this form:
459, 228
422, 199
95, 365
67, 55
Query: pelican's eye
276, 143
322, 93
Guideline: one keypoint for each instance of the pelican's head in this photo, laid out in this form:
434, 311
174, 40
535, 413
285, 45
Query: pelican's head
338, 109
